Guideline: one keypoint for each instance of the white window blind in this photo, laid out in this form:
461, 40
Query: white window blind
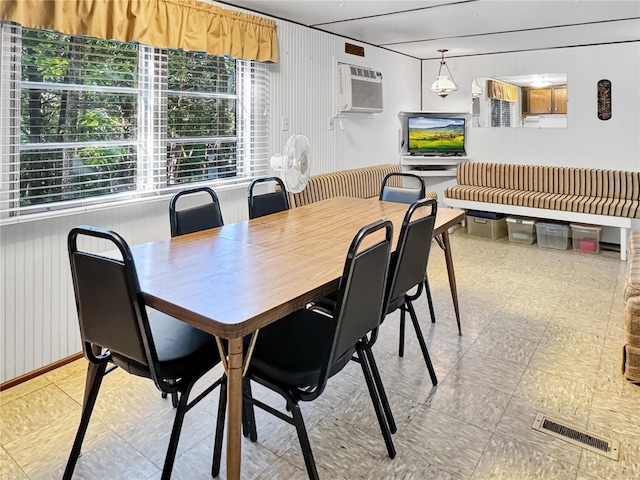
501, 112
102, 120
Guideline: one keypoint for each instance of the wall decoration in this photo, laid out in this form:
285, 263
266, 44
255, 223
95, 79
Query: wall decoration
604, 99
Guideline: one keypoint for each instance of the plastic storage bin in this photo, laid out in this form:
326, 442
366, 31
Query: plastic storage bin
521, 230
483, 214
553, 235
486, 227
586, 238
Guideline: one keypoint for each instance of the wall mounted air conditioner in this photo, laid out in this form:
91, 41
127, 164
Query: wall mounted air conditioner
359, 89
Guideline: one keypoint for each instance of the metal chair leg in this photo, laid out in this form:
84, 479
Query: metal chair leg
423, 344
181, 410
375, 399
432, 312
381, 391
217, 446
174, 398
402, 327
87, 408
248, 416
303, 437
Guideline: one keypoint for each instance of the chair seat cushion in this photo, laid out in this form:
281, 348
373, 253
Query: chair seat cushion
183, 351
292, 351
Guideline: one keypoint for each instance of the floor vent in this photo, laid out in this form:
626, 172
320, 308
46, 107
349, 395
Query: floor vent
601, 445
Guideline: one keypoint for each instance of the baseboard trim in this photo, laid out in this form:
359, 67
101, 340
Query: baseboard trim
40, 371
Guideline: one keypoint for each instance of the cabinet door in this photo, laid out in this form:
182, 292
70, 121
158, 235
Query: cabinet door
560, 100
539, 101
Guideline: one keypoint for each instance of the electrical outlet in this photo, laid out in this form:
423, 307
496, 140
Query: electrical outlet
331, 123
285, 124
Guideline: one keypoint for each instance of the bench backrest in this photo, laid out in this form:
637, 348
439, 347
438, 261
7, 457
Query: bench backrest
588, 182
360, 182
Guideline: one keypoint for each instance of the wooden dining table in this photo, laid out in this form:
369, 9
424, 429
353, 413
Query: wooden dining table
233, 280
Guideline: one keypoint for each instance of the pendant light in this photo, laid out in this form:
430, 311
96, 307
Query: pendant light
444, 84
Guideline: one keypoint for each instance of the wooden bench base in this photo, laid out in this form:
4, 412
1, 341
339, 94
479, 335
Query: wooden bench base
623, 223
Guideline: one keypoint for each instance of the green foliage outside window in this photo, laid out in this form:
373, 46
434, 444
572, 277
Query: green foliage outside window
80, 116
192, 116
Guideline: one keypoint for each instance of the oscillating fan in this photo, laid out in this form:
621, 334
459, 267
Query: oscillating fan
293, 165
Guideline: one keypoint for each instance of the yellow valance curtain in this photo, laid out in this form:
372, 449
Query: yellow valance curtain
502, 91
187, 24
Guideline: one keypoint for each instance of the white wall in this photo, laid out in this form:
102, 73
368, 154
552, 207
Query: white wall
587, 141
304, 90
38, 322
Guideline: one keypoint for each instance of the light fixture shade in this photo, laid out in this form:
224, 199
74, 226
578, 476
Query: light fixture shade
444, 84
540, 84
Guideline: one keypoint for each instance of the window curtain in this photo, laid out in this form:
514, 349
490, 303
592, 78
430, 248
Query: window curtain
187, 24
502, 91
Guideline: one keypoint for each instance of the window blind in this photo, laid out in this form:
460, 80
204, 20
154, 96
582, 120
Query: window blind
10, 44
501, 112
95, 121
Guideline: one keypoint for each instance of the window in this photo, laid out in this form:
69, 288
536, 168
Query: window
501, 112
92, 121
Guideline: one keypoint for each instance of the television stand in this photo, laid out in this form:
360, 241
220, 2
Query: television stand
437, 172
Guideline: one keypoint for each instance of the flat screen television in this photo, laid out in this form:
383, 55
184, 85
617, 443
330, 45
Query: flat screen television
436, 136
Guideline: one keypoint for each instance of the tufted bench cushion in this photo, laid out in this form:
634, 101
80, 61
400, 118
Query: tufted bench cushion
632, 282
581, 190
360, 182
631, 349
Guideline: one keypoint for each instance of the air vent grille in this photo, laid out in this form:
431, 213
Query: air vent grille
601, 445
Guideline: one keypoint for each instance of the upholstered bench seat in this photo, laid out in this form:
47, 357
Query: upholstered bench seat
586, 195
554, 201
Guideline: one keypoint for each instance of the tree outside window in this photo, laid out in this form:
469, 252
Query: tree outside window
101, 118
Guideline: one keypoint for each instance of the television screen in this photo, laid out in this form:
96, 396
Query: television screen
436, 136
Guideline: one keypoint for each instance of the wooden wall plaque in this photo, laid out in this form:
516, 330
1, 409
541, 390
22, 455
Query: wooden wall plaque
604, 99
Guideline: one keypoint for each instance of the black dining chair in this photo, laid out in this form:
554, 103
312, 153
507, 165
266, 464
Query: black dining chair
117, 331
408, 264
296, 355
267, 203
411, 190
193, 219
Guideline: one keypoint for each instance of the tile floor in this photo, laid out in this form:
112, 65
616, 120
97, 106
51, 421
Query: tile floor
542, 332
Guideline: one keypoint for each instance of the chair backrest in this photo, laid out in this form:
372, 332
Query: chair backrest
111, 311
268, 203
412, 189
409, 261
360, 299
194, 219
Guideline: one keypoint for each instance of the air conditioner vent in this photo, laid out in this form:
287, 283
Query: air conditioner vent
360, 89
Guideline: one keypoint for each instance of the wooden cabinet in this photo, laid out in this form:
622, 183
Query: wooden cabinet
560, 100
544, 101
539, 101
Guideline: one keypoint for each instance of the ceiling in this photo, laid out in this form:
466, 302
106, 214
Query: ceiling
418, 28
